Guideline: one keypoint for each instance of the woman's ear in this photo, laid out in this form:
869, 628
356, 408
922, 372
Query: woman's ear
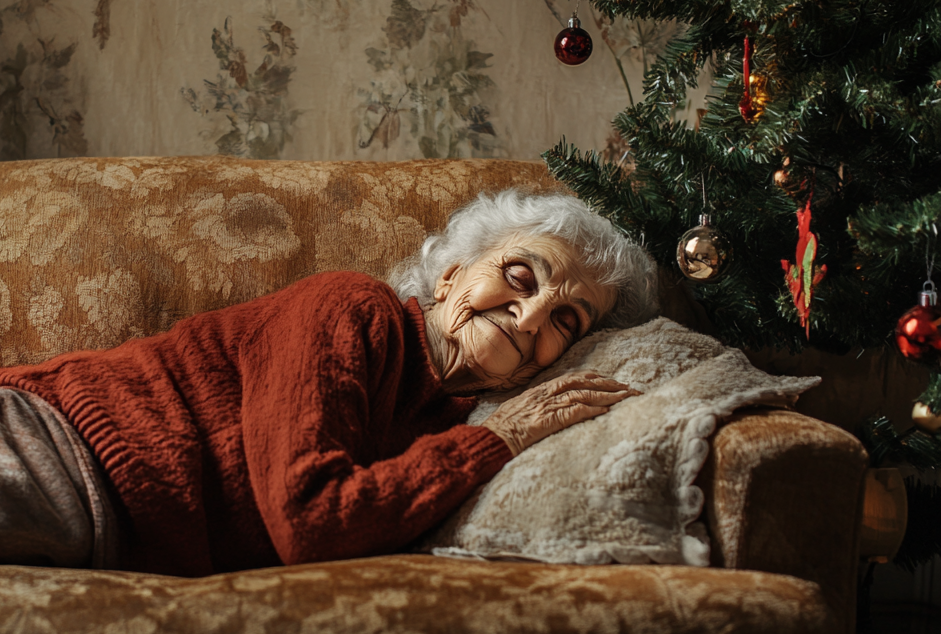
445, 282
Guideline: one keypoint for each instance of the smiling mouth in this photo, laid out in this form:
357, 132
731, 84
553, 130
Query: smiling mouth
505, 334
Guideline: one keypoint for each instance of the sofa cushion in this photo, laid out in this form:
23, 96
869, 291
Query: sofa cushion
414, 593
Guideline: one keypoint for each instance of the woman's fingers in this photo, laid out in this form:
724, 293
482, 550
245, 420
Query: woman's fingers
554, 405
580, 412
596, 397
583, 380
577, 406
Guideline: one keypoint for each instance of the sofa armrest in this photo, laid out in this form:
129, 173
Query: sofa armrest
784, 495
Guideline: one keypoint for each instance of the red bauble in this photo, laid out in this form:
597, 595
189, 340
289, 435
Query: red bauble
573, 45
917, 334
747, 107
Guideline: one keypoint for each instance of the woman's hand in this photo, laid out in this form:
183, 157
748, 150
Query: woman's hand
554, 405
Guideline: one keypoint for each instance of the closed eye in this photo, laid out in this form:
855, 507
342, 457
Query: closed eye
520, 278
567, 320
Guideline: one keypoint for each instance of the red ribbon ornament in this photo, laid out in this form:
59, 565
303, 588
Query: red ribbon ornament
803, 276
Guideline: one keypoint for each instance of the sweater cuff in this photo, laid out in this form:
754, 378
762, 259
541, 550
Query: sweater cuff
486, 449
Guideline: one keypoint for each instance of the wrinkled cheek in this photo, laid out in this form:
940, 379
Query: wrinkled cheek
458, 320
492, 357
548, 355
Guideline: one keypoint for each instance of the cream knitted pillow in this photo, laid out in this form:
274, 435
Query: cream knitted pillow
618, 488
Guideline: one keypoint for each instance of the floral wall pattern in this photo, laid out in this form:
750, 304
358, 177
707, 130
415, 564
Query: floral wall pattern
429, 74
37, 101
311, 79
253, 102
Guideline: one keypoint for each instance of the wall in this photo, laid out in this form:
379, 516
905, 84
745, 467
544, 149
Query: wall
310, 79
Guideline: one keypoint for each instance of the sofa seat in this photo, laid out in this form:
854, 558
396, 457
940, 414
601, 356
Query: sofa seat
414, 593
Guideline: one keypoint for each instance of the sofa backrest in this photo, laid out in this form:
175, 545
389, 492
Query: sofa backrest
96, 251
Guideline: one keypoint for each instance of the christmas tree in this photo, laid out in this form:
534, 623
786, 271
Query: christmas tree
818, 159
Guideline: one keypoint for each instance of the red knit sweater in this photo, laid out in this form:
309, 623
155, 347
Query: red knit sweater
303, 426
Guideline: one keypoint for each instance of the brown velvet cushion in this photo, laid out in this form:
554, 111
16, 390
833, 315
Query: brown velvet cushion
414, 593
783, 494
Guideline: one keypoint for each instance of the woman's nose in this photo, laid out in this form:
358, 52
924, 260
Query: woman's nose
533, 313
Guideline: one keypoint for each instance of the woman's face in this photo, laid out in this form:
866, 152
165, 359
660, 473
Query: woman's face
515, 311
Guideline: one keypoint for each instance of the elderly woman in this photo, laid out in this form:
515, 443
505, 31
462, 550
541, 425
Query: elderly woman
323, 421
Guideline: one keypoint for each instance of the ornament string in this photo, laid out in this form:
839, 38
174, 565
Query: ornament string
929, 254
746, 69
928, 286
705, 216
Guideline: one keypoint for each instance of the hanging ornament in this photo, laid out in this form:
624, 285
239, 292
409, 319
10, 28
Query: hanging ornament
749, 106
788, 181
925, 419
916, 333
803, 276
703, 252
781, 178
573, 44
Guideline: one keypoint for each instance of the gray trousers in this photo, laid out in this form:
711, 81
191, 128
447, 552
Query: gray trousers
54, 507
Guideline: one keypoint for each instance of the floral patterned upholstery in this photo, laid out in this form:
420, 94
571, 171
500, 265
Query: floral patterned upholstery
96, 251
416, 593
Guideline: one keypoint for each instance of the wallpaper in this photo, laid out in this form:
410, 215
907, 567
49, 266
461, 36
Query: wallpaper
313, 79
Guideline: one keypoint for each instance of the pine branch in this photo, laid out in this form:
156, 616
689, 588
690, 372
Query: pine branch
884, 443
601, 185
932, 395
896, 231
692, 11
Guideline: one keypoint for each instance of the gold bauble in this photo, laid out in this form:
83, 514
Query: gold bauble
782, 177
925, 419
703, 252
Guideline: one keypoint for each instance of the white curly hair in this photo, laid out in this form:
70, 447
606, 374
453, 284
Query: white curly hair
488, 222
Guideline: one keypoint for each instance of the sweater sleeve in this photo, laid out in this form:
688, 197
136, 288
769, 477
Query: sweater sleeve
325, 370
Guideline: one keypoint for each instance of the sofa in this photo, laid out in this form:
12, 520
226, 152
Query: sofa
96, 251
